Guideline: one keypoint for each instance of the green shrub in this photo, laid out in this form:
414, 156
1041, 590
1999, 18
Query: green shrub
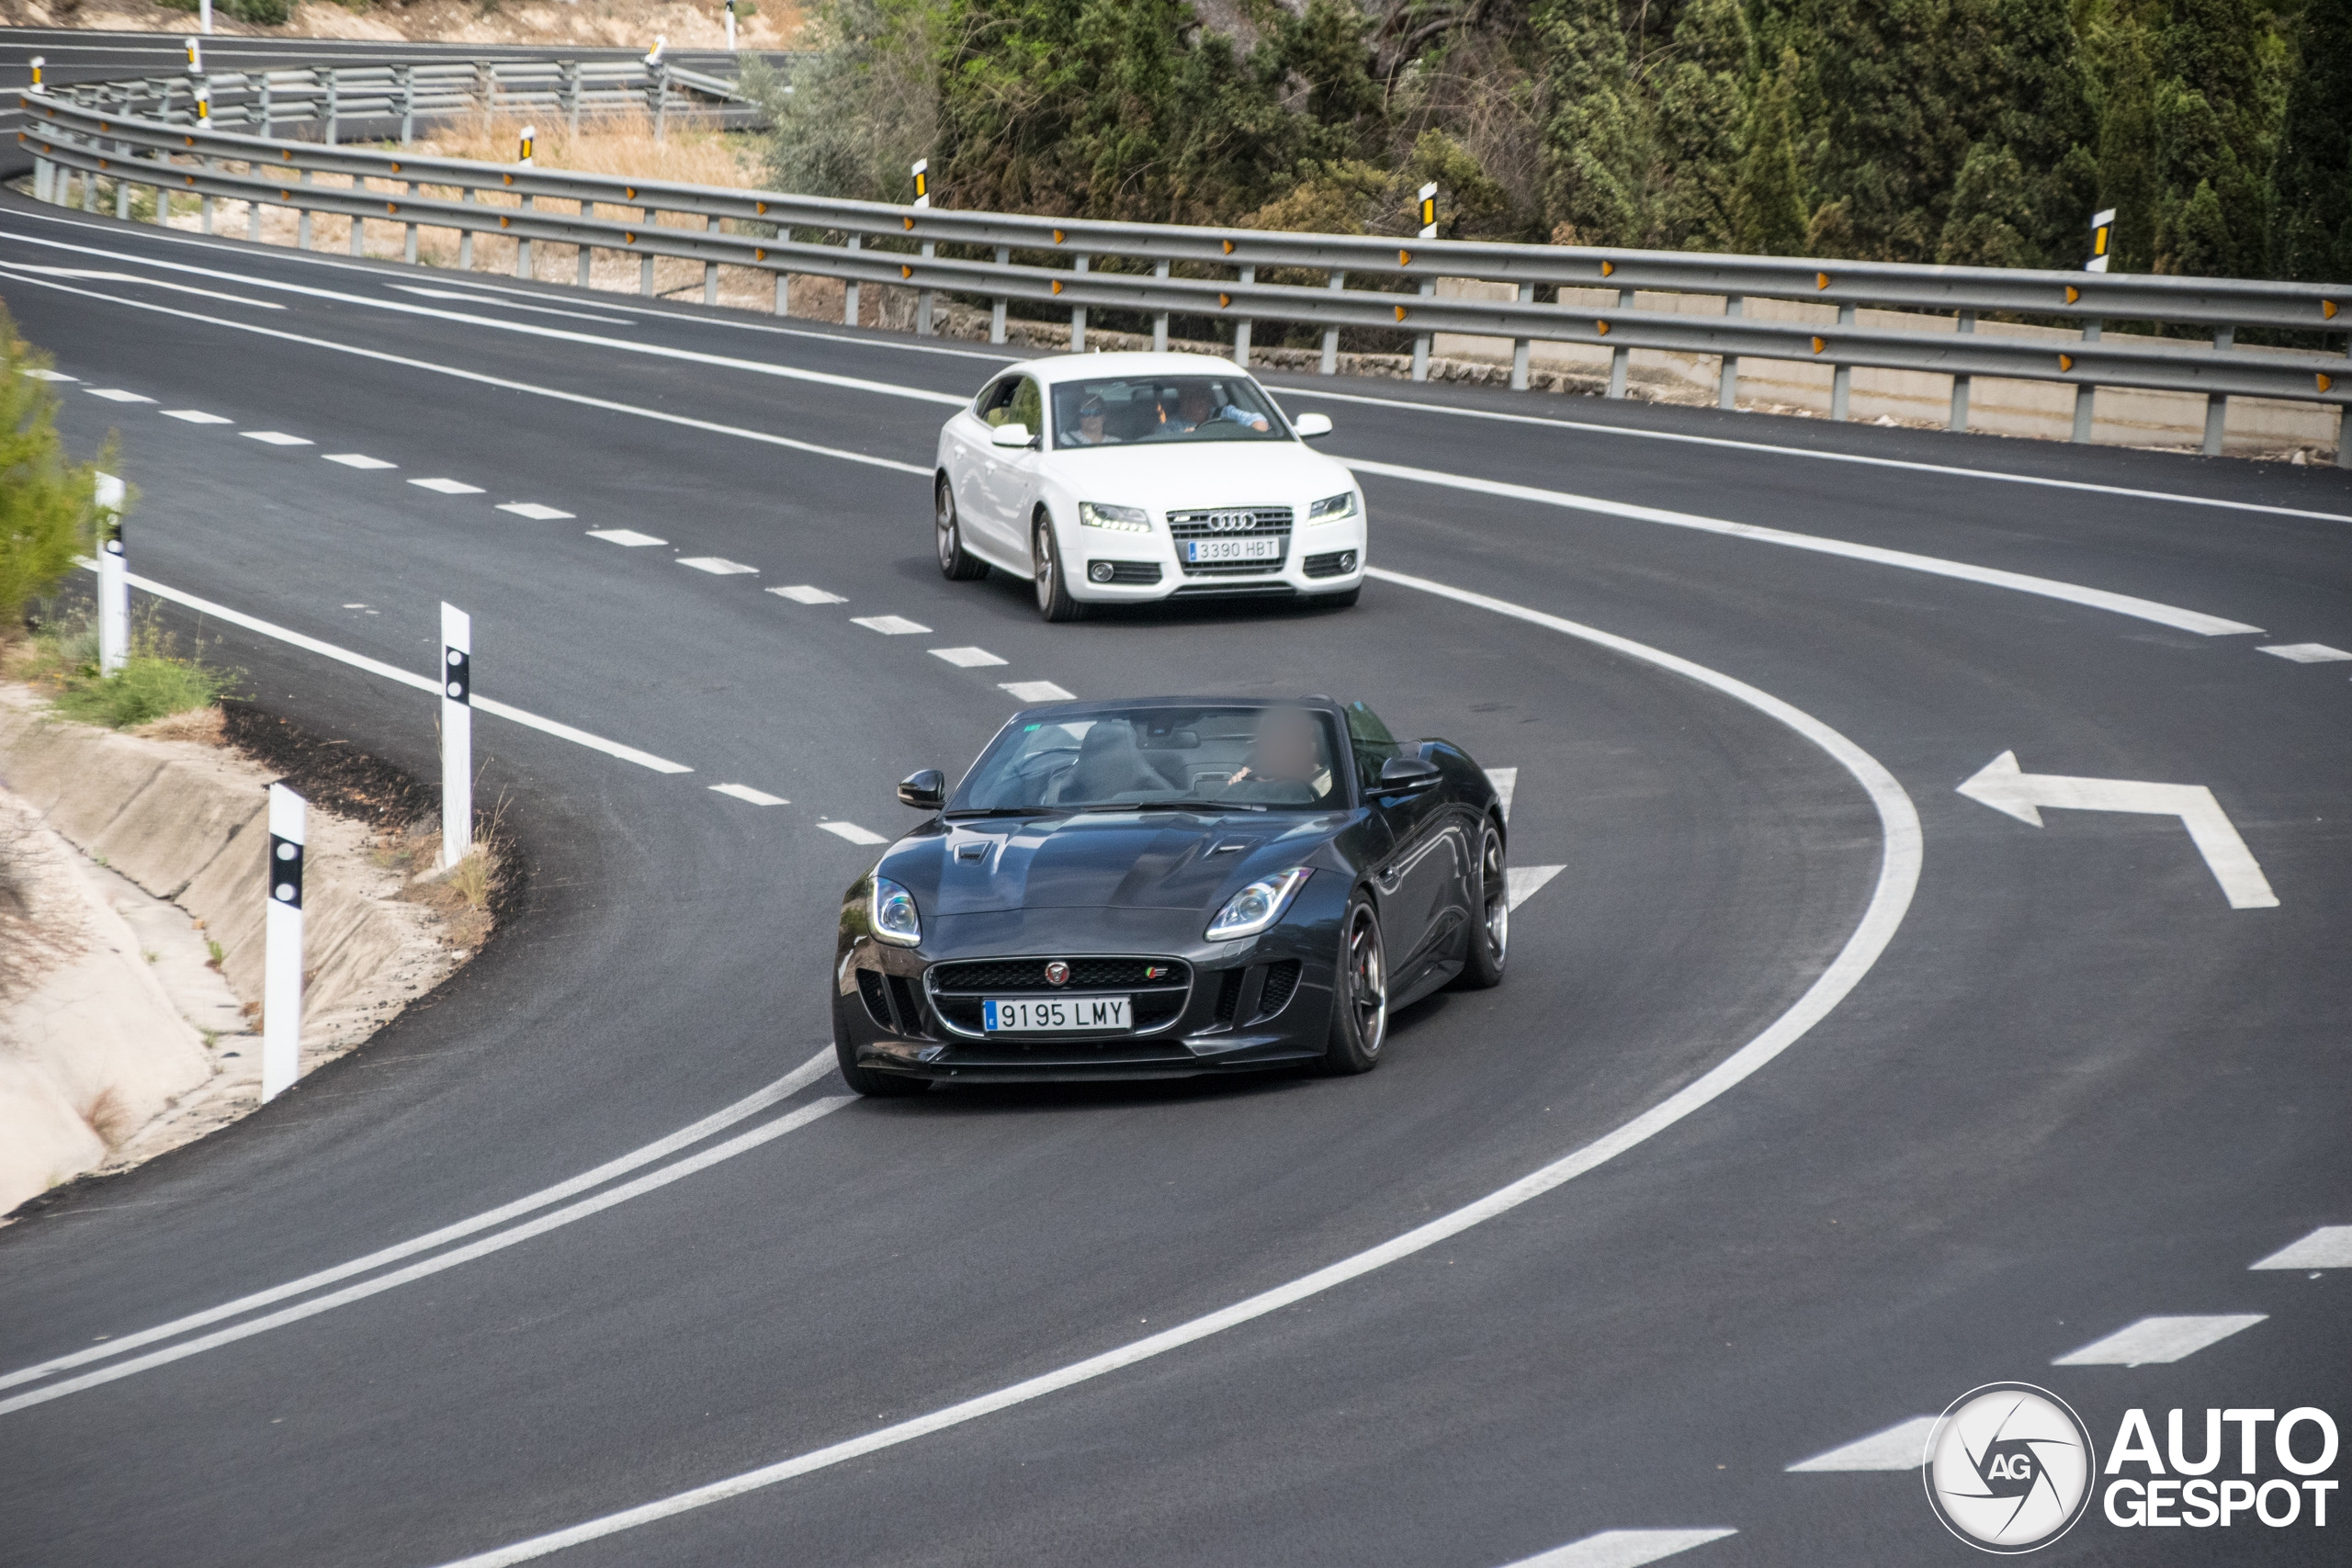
155, 682
48, 506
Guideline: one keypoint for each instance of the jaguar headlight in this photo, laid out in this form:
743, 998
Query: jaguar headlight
1127, 519
1331, 508
894, 917
1258, 905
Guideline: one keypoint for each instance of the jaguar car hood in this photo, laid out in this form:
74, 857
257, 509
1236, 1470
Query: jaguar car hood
1181, 477
1100, 860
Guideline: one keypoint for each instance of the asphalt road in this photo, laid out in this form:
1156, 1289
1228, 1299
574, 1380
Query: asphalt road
2065, 1086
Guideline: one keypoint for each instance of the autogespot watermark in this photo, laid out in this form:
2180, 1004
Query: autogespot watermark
2010, 1468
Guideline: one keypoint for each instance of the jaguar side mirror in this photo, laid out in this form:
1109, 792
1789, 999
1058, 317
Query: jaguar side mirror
1406, 775
1311, 425
925, 791
1011, 433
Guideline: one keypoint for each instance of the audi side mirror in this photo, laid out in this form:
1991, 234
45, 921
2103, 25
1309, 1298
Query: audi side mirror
925, 791
1312, 425
1011, 433
1406, 775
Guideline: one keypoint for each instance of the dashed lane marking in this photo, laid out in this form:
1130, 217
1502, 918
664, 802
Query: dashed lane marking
802, 593
357, 460
967, 657
889, 626
40, 374
627, 536
1035, 691
853, 832
746, 793
117, 395
276, 438
2154, 1339
2330, 1247
535, 511
197, 416
446, 486
1900, 1446
1505, 782
718, 565
1523, 882
2306, 652
1621, 1549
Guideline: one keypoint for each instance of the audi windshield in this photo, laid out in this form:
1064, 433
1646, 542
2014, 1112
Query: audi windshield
1130, 411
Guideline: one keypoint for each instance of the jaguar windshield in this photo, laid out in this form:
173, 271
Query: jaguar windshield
1155, 757
1126, 410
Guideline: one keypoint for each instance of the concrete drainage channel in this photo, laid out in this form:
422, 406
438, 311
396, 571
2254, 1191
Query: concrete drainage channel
135, 1027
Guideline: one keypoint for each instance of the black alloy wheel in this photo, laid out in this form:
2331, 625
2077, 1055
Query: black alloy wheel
1490, 895
1360, 995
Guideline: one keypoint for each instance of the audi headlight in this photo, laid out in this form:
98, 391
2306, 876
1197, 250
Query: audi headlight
1258, 905
1331, 508
894, 920
1128, 519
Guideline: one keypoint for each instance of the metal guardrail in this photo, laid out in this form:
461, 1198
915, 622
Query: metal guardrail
1057, 265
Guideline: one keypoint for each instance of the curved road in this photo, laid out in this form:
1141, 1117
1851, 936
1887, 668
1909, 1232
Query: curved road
1867, 1093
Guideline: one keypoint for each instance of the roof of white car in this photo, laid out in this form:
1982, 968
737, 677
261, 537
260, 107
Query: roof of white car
1069, 367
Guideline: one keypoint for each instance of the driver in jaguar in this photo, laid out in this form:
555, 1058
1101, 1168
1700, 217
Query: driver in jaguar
1286, 765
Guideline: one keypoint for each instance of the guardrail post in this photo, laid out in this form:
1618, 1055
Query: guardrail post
408, 246
1520, 347
335, 105
1241, 327
2217, 405
1337, 281
567, 87
406, 75
1077, 312
849, 287
282, 987
89, 190
1160, 321
44, 173
1422, 340
358, 223
925, 298
122, 196
1960, 383
523, 248
465, 236
1727, 379
456, 735
2085, 398
113, 585
1841, 377
996, 306
253, 216
302, 221
709, 269
587, 259
261, 107
1620, 358
660, 98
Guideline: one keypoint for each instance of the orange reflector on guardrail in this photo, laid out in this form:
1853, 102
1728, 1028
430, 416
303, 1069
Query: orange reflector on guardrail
1607, 269
905, 271
759, 256
502, 222
2065, 362
908, 221
1058, 236
2326, 382
1229, 247
1223, 300
1821, 280
627, 238
1057, 286
1600, 327
2072, 294
1404, 258
760, 207
2327, 309
1819, 343
1400, 312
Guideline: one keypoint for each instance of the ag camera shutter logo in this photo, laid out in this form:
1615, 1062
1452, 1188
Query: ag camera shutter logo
2009, 1468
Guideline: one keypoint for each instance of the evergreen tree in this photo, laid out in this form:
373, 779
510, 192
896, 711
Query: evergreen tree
1593, 143
2130, 175
1702, 109
2312, 224
1991, 212
1768, 205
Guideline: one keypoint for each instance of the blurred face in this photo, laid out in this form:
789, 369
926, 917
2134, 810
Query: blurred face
1194, 404
1286, 748
1090, 421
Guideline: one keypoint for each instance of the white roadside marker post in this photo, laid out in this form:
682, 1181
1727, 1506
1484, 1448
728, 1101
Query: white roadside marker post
730, 27
114, 579
281, 994
456, 735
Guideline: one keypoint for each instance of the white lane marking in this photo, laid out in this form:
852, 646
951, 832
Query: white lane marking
1029, 692
2048, 588
197, 416
446, 486
1953, 470
117, 395
87, 275
802, 593
745, 792
276, 438
718, 565
1898, 878
406, 678
534, 511
1620, 1549
497, 1242
752, 1104
2008, 788
1505, 782
2155, 1339
2305, 653
38, 374
627, 536
967, 657
357, 461
1521, 883
853, 832
889, 626
1900, 1446
2330, 1247
509, 305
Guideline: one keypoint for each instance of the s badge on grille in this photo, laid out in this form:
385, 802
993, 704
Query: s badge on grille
1058, 973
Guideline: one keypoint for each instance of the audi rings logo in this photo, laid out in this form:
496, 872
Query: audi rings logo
1229, 522
2009, 1468
1058, 973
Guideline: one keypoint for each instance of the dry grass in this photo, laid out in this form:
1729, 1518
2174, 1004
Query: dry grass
462, 895
621, 146
200, 724
109, 1117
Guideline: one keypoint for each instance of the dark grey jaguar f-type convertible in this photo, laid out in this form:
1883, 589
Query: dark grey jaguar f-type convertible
1168, 887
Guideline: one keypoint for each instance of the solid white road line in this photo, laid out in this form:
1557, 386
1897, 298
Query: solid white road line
802, 593
745, 792
276, 438
626, 537
1028, 693
92, 277
1524, 882
889, 626
967, 657
1901, 1447
117, 395
718, 565
792, 1083
2154, 1339
2330, 1247
497, 1242
357, 460
1505, 782
197, 416
2048, 588
407, 678
1898, 878
446, 486
1621, 1549
510, 305
2305, 653
853, 832
534, 511
1953, 471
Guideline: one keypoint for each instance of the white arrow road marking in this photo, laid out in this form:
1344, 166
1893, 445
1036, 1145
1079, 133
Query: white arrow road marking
1523, 882
2155, 1339
1621, 1549
1900, 1446
2006, 787
2330, 1247
1505, 782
